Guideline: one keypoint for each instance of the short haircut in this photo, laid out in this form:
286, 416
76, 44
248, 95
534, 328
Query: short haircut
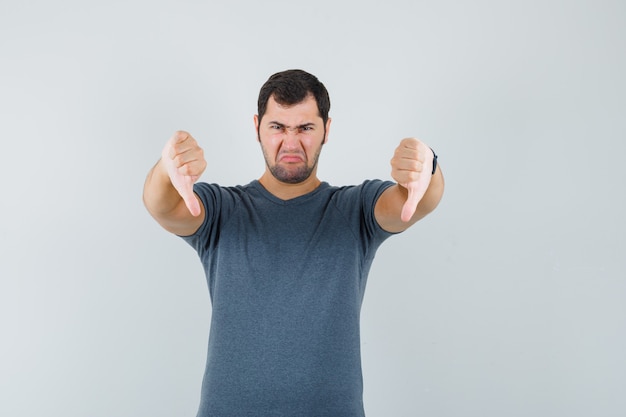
292, 87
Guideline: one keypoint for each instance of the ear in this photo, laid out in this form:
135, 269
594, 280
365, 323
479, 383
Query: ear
327, 130
256, 126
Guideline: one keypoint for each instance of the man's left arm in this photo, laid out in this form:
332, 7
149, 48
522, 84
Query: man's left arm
417, 192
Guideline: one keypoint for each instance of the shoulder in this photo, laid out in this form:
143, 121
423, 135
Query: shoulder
358, 202
366, 192
211, 192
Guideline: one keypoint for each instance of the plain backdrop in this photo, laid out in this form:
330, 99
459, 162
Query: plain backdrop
508, 300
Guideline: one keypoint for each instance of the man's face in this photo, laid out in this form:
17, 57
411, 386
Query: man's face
291, 138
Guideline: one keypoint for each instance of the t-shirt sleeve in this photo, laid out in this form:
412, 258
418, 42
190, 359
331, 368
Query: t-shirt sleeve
371, 190
357, 204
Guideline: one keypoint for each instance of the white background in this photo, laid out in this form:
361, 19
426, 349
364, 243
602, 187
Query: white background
509, 300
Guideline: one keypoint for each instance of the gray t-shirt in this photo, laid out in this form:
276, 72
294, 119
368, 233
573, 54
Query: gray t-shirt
286, 280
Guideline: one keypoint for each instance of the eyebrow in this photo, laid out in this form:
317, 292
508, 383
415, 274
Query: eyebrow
273, 122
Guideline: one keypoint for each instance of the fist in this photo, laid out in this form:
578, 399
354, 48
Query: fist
411, 167
184, 161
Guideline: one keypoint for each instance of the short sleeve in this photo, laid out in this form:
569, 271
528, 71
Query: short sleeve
357, 203
371, 190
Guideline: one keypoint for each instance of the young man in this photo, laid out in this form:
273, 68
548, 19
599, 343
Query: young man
287, 257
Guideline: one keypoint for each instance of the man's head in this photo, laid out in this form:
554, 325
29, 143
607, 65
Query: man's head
292, 125
292, 87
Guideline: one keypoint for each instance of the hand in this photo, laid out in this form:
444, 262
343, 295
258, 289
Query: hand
184, 162
411, 167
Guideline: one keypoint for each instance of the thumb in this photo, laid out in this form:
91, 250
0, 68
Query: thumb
414, 197
184, 186
181, 182
185, 189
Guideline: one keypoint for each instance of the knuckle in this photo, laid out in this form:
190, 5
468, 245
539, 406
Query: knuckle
178, 161
177, 148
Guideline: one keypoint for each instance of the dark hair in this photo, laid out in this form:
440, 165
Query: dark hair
292, 87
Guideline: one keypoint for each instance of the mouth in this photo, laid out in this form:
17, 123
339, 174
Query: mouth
290, 158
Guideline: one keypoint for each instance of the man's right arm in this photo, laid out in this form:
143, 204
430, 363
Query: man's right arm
168, 192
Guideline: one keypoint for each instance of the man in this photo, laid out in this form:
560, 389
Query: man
287, 257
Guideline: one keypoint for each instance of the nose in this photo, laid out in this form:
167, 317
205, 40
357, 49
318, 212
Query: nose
291, 139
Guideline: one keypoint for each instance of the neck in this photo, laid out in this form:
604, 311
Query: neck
286, 191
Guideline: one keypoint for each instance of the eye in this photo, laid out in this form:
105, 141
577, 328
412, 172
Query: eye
276, 127
306, 128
